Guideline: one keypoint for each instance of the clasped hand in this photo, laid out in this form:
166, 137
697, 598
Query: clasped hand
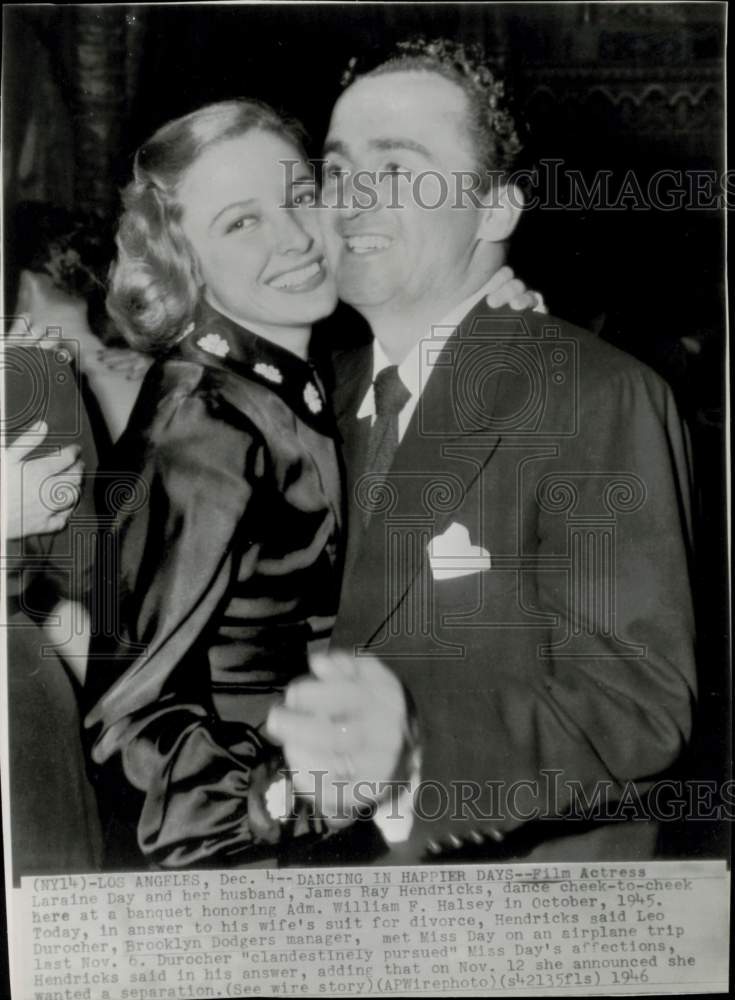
41, 492
342, 730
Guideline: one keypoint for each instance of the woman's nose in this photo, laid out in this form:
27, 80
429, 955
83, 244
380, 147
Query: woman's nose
292, 236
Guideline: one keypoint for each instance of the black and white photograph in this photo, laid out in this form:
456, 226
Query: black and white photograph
365, 478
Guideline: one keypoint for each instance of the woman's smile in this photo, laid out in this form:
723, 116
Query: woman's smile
300, 279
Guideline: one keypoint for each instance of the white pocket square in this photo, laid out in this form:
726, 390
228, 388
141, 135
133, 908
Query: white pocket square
451, 554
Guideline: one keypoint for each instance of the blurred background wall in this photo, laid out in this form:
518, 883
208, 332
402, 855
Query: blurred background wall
603, 87
613, 87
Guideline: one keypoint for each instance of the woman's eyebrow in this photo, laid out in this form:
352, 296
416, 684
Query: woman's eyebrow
235, 204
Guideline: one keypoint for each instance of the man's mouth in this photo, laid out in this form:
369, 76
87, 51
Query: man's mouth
367, 243
300, 279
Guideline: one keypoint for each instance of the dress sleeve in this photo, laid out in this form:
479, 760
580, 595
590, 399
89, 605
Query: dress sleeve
193, 522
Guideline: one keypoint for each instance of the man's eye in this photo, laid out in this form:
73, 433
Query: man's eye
245, 222
334, 170
395, 168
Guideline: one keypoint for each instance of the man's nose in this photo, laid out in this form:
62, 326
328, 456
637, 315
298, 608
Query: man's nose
292, 236
355, 193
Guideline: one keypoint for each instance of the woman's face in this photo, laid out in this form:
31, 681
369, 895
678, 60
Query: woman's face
261, 261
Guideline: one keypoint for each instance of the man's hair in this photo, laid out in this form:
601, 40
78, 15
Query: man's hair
154, 286
491, 122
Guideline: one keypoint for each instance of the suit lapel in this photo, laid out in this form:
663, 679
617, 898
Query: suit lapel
443, 451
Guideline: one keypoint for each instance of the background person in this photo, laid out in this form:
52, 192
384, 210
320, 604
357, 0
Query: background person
49, 459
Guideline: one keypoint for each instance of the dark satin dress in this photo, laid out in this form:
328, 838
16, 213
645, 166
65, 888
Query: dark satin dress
224, 558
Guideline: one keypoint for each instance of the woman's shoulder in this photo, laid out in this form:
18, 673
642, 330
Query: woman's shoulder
186, 407
183, 443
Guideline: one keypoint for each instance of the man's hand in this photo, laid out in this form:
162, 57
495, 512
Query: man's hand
41, 493
68, 629
507, 290
348, 719
132, 364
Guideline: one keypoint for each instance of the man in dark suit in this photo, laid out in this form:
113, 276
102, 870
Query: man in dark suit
518, 518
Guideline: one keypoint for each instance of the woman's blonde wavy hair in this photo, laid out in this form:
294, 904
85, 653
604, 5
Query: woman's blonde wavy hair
154, 284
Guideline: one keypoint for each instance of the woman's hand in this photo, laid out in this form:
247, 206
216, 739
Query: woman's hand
342, 730
507, 290
41, 493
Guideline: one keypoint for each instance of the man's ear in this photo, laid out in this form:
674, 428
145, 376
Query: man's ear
502, 215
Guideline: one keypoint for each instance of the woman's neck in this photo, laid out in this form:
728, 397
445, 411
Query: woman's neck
292, 338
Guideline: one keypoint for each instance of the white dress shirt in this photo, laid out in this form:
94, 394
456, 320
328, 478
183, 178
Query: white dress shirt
416, 367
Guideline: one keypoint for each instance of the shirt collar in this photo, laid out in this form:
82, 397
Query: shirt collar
218, 341
416, 367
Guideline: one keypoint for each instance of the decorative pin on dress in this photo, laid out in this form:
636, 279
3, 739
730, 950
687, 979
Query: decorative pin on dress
312, 398
214, 344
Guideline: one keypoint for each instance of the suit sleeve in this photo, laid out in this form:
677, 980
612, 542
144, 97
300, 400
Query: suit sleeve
581, 714
199, 780
630, 698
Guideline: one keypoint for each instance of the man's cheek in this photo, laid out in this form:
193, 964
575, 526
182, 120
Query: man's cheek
333, 247
430, 191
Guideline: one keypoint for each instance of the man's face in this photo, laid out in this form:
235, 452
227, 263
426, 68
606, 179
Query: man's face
389, 258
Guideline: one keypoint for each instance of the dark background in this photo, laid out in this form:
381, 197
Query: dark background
612, 87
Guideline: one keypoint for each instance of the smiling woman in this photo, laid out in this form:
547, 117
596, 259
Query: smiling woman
210, 214
227, 561
258, 261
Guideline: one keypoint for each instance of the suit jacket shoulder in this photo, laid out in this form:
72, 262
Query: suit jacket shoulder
598, 361
562, 373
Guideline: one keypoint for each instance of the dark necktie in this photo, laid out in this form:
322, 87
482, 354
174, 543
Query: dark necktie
391, 395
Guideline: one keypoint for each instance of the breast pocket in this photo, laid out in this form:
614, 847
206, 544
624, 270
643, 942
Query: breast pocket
487, 599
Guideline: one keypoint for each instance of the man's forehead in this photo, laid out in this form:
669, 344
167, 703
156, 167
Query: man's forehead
414, 99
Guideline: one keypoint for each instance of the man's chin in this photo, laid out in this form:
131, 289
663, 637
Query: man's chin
365, 292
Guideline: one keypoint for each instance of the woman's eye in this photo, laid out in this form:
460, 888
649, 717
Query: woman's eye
243, 223
305, 198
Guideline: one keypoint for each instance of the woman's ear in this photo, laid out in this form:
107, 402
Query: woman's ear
502, 216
